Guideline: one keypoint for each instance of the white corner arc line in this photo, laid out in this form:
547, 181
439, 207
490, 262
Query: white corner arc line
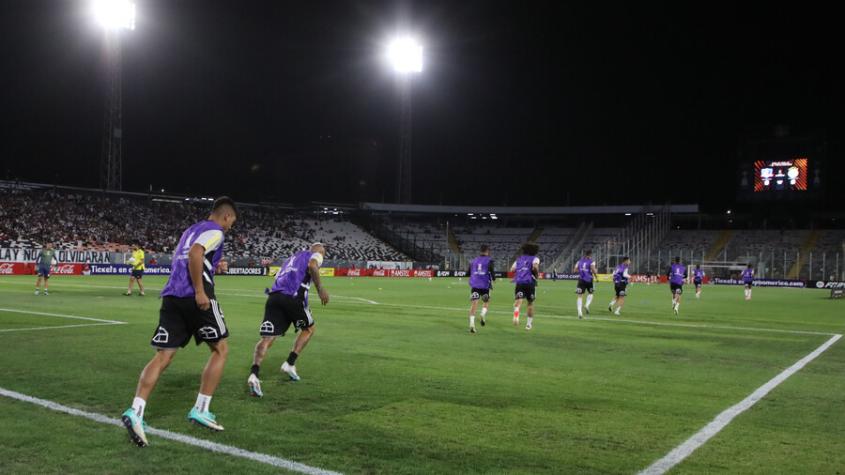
679, 453
165, 434
60, 315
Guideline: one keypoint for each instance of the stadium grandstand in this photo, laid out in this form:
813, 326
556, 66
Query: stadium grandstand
439, 237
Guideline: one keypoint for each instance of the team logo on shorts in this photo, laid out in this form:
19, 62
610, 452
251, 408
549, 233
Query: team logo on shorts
208, 333
520, 295
474, 296
267, 327
300, 324
161, 336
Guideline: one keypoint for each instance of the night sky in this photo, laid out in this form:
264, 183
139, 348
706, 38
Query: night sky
540, 103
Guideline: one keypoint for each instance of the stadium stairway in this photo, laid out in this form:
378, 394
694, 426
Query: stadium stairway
720, 244
572, 248
455, 247
806, 248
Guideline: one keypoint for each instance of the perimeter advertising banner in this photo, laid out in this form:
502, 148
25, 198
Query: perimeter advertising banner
799, 284
820, 284
62, 256
123, 269
28, 268
247, 271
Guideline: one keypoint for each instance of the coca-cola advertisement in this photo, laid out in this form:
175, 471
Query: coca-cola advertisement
25, 268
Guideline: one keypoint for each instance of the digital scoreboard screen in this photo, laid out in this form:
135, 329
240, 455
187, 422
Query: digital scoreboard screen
780, 175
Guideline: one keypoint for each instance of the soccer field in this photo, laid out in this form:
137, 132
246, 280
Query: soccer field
393, 383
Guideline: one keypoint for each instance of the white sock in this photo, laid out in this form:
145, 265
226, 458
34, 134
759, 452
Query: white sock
138, 406
589, 300
617, 311
579, 305
472, 320
530, 321
203, 402
612, 303
483, 312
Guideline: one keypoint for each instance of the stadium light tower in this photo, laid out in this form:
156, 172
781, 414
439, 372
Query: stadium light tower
405, 56
113, 16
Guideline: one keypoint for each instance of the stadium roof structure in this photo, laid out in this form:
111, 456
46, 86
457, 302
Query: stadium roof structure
528, 210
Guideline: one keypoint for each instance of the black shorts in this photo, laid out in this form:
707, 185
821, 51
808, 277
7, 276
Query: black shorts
697, 283
281, 311
44, 271
476, 294
620, 289
180, 319
748, 285
584, 286
137, 273
525, 291
676, 288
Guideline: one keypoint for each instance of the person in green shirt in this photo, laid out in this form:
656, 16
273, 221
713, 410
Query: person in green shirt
43, 262
137, 263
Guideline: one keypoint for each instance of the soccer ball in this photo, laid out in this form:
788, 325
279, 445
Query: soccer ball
132, 261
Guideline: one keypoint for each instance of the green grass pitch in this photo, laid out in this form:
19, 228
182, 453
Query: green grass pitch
401, 386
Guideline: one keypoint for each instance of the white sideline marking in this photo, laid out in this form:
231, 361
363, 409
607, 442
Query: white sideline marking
698, 439
57, 327
166, 434
255, 295
60, 315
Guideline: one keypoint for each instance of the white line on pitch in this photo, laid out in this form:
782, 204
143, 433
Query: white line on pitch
57, 327
60, 315
679, 453
166, 434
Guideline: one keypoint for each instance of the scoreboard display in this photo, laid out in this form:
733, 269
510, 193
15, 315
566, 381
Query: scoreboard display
780, 175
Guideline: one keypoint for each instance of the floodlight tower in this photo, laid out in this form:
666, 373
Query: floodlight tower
113, 16
405, 56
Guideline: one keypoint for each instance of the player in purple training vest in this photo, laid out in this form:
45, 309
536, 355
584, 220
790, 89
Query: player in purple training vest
748, 280
697, 279
586, 269
481, 279
287, 304
189, 310
527, 270
620, 284
677, 274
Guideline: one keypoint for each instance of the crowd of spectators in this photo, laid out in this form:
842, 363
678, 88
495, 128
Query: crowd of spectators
106, 222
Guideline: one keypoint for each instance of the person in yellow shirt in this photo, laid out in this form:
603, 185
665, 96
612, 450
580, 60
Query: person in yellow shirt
137, 263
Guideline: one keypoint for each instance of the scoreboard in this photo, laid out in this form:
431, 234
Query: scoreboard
782, 169
780, 175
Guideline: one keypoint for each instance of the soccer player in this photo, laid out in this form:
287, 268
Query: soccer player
620, 283
137, 263
527, 268
748, 280
189, 309
44, 260
287, 304
586, 269
697, 279
481, 279
677, 274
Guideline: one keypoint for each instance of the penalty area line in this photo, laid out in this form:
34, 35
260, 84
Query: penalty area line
681, 452
176, 437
